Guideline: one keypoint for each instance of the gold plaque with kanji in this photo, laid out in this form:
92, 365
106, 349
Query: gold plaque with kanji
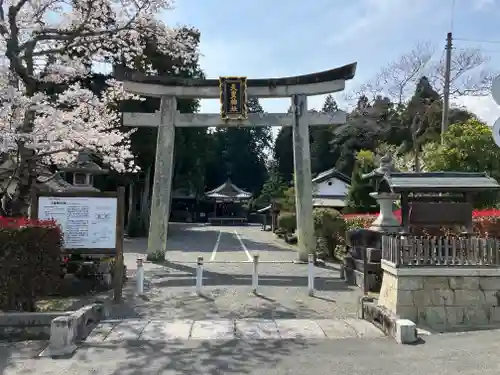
233, 98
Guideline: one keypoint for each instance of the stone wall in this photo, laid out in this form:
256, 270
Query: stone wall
27, 325
444, 299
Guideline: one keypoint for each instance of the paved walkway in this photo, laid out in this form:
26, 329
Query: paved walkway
473, 353
282, 293
246, 329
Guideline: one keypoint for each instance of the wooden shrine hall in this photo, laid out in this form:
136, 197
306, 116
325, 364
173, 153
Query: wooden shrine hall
227, 199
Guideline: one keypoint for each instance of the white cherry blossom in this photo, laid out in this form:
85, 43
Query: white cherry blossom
45, 42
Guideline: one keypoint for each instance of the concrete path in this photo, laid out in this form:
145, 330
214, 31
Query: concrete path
448, 354
186, 242
282, 293
225, 329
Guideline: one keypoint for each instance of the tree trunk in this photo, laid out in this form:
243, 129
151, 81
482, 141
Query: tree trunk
131, 204
145, 209
416, 160
26, 177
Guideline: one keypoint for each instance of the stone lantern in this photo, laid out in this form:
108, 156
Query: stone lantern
385, 221
82, 171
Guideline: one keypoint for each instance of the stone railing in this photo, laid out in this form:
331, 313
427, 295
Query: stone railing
415, 251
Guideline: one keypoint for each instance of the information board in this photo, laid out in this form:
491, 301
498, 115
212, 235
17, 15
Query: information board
86, 222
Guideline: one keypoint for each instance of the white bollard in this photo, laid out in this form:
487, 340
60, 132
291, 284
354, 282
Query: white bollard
140, 277
310, 274
199, 275
255, 274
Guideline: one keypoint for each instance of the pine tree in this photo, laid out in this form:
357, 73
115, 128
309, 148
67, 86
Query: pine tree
330, 105
322, 157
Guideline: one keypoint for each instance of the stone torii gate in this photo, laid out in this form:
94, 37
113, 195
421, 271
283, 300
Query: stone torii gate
169, 89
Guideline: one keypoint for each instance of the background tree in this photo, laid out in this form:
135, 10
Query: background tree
470, 74
240, 153
322, 157
358, 196
53, 42
467, 147
273, 189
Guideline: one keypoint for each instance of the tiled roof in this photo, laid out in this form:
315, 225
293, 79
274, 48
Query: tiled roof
227, 191
440, 181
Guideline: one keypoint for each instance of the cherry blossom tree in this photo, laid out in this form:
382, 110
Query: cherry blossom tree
55, 43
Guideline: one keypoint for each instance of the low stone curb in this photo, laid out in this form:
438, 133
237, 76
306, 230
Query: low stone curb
404, 331
27, 325
68, 330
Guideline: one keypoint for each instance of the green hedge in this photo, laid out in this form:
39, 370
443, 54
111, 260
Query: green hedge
329, 228
30, 264
287, 221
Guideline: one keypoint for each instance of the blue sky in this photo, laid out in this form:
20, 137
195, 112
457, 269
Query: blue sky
271, 38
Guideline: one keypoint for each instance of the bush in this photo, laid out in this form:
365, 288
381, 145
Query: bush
287, 221
329, 228
327, 221
30, 262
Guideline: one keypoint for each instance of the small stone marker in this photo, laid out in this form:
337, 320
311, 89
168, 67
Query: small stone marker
63, 332
406, 331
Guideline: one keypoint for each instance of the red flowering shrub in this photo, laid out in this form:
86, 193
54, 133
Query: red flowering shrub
30, 255
485, 223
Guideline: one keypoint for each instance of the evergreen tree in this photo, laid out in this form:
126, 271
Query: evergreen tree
273, 189
240, 153
283, 153
358, 197
330, 105
322, 155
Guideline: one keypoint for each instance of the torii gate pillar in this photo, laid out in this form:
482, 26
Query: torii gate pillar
302, 177
162, 180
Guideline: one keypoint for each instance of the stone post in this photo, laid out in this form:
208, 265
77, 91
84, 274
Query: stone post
302, 178
162, 181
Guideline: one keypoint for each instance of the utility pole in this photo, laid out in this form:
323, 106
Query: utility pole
446, 91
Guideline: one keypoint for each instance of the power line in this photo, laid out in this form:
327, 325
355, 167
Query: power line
476, 40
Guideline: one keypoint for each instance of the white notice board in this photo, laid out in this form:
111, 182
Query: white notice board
86, 222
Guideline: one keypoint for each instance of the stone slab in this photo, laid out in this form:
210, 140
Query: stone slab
213, 330
299, 328
364, 328
257, 329
127, 330
100, 332
406, 331
337, 329
167, 330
